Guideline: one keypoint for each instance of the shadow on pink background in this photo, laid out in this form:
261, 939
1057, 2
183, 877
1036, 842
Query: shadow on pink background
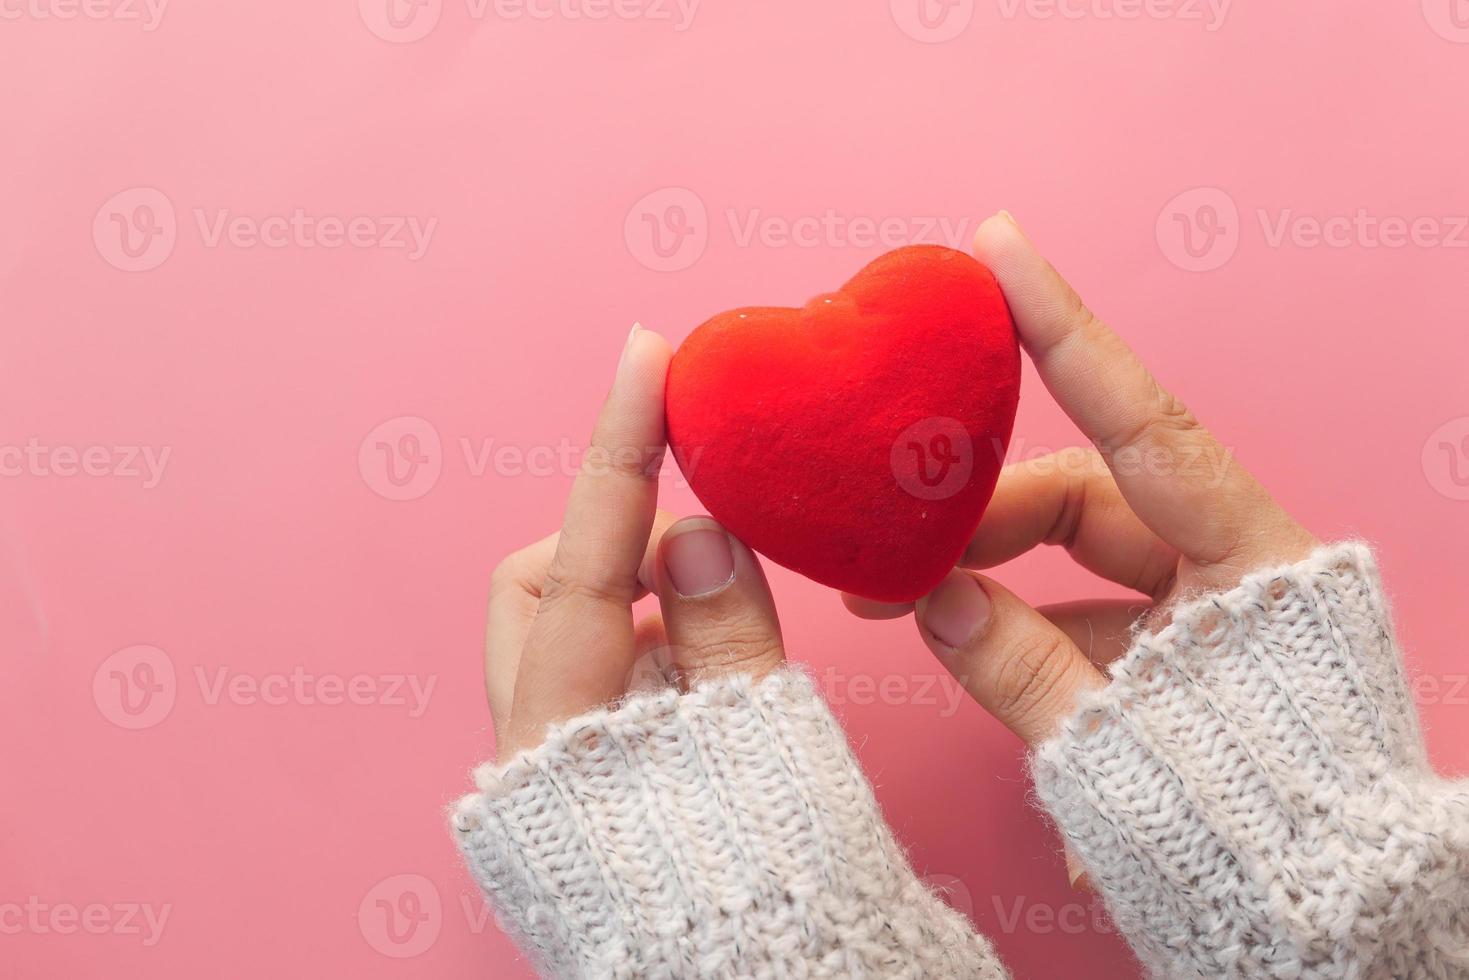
307, 308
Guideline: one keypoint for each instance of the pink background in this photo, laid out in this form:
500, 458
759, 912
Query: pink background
288, 831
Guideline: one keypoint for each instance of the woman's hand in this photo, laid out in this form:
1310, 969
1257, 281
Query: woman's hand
1159, 506
561, 638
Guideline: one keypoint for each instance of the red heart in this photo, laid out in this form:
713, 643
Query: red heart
856, 440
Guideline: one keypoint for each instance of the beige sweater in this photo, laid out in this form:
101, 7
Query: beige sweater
1250, 796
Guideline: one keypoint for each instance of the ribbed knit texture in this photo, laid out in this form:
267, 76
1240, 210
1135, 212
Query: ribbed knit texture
723, 833
1250, 793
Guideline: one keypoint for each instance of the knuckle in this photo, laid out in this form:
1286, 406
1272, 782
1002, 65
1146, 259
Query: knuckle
1227, 542
1173, 413
507, 578
1086, 321
561, 587
628, 462
1067, 525
1157, 573
1267, 537
732, 644
1072, 318
1165, 418
1083, 474
1030, 675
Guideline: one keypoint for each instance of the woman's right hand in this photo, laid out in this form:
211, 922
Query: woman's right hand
1159, 505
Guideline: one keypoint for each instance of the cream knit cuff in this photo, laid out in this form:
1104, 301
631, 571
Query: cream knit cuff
1250, 793
727, 832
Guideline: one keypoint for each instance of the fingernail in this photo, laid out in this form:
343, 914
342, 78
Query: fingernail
698, 558
1014, 224
956, 611
627, 345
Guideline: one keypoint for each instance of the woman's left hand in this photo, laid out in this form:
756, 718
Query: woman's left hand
561, 638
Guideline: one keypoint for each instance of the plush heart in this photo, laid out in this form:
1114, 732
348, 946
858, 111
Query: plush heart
856, 440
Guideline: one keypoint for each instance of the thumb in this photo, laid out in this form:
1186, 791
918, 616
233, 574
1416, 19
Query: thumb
717, 608
1019, 666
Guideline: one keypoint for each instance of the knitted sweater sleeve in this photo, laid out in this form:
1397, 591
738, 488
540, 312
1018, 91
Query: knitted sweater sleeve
1251, 796
727, 832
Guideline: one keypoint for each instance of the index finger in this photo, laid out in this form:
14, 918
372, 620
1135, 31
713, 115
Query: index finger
615, 495
580, 646
1173, 473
